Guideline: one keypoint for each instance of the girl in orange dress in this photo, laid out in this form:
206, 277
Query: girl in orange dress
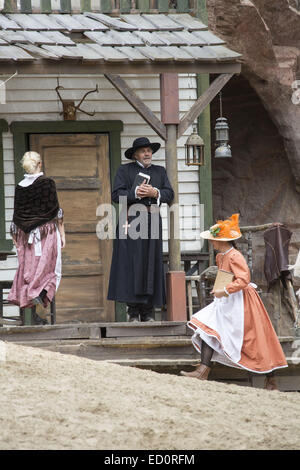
235, 329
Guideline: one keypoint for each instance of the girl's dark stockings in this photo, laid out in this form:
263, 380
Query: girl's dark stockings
206, 354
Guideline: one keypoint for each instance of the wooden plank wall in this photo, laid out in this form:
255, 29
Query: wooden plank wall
30, 98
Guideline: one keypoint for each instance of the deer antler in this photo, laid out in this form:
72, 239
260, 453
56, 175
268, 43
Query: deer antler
69, 108
83, 98
59, 87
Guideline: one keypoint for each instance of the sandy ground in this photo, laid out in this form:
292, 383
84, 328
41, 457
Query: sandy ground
54, 401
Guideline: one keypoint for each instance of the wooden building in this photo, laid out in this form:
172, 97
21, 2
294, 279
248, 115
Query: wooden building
89, 51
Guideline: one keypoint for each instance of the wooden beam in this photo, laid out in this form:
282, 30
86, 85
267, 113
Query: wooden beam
172, 172
138, 104
79, 67
169, 98
202, 102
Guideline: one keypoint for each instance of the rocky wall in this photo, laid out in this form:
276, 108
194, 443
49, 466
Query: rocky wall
257, 181
262, 180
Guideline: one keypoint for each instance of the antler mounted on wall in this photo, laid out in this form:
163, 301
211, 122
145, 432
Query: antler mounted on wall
69, 108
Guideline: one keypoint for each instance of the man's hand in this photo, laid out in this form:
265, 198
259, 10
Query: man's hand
146, 190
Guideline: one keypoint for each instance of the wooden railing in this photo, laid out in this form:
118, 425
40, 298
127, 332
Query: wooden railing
114, 7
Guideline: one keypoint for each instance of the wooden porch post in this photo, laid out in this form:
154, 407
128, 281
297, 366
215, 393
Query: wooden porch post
176, 293
171, 167
205, 172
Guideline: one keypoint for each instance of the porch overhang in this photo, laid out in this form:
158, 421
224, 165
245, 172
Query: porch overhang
93, 43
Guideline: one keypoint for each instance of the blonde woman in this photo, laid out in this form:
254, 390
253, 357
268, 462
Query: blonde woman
38, 234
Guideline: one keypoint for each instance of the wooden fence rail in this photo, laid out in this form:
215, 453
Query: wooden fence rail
101, 6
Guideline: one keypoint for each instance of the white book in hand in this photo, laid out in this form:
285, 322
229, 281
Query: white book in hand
139, 179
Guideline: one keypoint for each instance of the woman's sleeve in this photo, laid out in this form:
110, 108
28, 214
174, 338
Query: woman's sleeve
239, 268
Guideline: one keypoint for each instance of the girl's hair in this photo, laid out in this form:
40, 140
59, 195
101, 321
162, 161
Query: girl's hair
30, 161
233, 243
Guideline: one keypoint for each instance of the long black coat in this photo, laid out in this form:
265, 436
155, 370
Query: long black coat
137, 274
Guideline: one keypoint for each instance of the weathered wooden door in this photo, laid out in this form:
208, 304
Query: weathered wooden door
79, 164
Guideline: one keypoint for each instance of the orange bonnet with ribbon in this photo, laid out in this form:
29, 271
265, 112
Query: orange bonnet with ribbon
224, 230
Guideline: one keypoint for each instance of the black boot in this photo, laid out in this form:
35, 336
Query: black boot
40, 299
133, 312
37, 320
147, 313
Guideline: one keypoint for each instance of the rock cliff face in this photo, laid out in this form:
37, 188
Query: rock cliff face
262, 105
267, 33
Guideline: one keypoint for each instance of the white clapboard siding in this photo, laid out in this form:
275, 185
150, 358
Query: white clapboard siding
105, 94
34, 98
77, 82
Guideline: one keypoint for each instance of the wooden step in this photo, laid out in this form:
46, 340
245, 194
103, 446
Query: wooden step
120, 348
93, 330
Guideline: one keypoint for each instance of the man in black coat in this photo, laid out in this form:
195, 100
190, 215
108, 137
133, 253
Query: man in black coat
137, 275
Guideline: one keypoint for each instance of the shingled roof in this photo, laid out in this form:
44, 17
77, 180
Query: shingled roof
97, 37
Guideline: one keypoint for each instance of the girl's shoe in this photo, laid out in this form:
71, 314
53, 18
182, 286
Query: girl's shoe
270, 383
201, 372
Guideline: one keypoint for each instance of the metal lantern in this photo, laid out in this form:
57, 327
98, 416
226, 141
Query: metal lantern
223, 149
194, 149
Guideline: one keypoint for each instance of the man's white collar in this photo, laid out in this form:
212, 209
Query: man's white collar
139, 163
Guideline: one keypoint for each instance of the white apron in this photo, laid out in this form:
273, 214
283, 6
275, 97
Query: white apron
225, 316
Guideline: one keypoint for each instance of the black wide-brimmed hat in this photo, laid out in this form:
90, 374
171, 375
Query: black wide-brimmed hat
141, 142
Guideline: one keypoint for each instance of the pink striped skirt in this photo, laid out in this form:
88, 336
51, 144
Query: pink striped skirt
38, 269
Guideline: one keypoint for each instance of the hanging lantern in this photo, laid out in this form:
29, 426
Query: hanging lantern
223, 149
194, 149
